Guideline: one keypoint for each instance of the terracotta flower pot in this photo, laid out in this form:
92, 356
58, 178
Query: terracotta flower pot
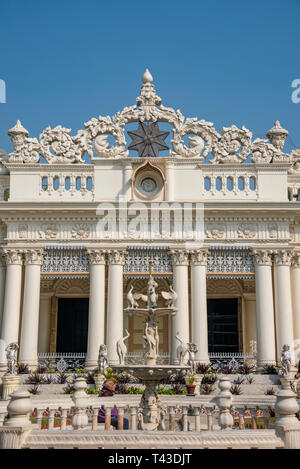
191, 388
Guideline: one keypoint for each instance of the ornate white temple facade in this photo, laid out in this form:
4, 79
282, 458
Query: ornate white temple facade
84, 218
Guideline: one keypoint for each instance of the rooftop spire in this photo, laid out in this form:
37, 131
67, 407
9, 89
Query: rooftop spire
147, 77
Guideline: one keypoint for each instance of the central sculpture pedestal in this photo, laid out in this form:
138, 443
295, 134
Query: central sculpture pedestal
151, 412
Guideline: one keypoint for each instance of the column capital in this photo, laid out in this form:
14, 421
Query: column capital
283, 257
262, 257
199, 256
96, 256
13, 256
34, 256
117, 256
296, 259
180, 257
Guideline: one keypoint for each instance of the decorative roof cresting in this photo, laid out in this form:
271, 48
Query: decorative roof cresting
233, 145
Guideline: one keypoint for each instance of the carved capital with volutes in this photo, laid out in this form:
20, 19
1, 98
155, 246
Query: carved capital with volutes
34, 256
283, 257
13, 256
96, 256
262, 257
296, 259
199, 257
117, 256
180, 257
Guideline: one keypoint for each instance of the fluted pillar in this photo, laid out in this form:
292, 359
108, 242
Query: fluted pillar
295, 281
199, 304
96, 327
114, 332
265, 319
180, 322
31, 302
2, 284
170, 182
12, 296
283, 300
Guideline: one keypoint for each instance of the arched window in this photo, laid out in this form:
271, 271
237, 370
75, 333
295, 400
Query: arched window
229, 183
78, 183
207, 183
241, 183
252, 183
218, 183
44, 183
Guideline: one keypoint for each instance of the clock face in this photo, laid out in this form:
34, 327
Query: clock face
148, 185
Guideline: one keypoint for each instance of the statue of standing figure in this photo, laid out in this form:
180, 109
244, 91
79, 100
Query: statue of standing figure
151, 340
285, 360
102, 358
192, 349
11, 355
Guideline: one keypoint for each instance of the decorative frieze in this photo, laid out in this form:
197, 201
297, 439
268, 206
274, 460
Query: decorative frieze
139, 258
229, 259
65, 259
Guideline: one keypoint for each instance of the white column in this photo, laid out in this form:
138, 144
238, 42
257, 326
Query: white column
283, 301
116, 260
169, 182
2, 285
96, 328
31, 303
12, 296
44, 323
265, 319
295, 281
180, 321
199, 304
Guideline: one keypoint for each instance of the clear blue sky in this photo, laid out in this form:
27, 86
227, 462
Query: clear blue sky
229, 62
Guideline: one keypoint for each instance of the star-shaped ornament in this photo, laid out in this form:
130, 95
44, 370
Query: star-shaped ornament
148, 140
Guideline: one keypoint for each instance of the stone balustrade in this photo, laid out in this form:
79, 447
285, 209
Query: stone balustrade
65, 184
231, 184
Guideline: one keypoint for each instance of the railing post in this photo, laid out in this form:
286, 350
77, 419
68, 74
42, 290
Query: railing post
197, 419
2, 417
63, 422
253, 419
266, 418
241, 419
51, 419
172, 419
107, 418
133, 420
287, 424
80, 399
120, 418
184, 419
95, 418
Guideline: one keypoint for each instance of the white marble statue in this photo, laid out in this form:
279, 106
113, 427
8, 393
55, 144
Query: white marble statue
192, 349
285, 360
151, 340
102, 358
151, 293
122, 349
11, 356
170, 296
181, 350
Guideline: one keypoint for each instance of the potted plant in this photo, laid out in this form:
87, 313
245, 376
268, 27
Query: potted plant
190, 386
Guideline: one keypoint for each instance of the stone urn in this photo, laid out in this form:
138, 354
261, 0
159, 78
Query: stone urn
18, 409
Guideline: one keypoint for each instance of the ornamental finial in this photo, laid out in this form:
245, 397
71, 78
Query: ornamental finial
147, 77
18, 129
277, 135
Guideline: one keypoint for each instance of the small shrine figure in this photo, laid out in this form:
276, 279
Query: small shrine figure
192, 349
122, 349
102, 358
11, 355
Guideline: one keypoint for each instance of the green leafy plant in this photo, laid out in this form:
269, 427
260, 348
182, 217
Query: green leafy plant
34, 378
203, 368
190, 379
69, 389
168, 391
245, 369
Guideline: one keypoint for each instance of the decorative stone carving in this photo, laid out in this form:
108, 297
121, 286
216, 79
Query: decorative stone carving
102, 358
296, 259
116, 256
180, 257
80, 231
262, 257
34, 256
285, 360
234, 145
246, 231
199, 257
283, 257
76, 285
96, 256
13, 256
277, 135
182, 350
215, 232
11, 356
170, 297
50, 232
122, 349
23, 231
